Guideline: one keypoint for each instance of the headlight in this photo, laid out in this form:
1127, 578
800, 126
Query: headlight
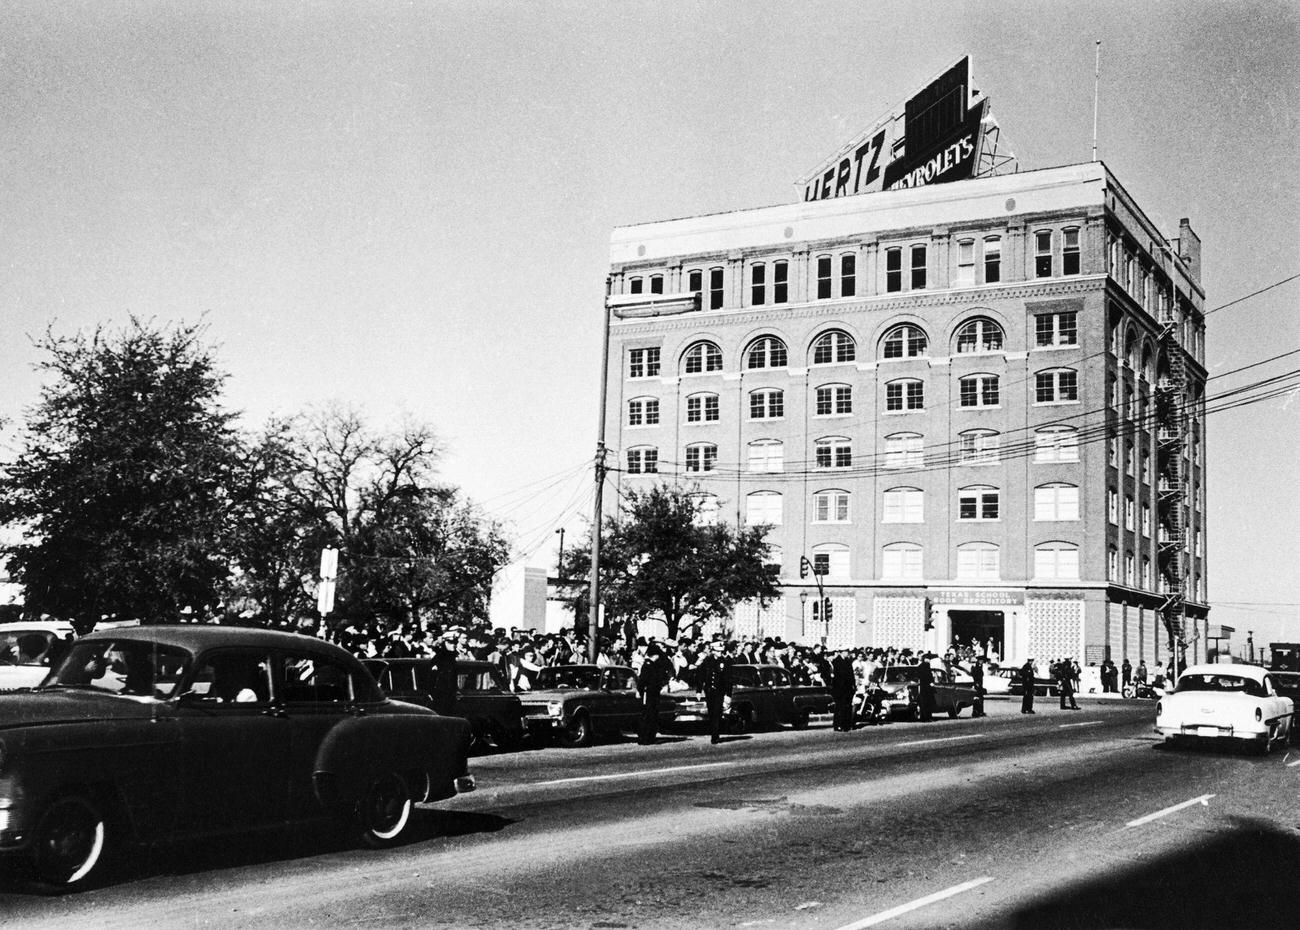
555, 709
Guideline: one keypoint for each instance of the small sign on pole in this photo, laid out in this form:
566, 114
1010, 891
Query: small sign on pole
329, 568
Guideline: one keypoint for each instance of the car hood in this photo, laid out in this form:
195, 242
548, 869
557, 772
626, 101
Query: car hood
41, 708
558, 694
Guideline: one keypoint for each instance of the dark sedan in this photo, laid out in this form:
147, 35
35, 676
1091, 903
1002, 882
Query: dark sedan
481, 696
577, 703
162, 733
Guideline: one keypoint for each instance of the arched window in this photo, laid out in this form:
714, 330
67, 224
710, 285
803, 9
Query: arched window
834, 348
1056, 502
905, 341
701, 358
643, 460
978, 502
979, 335
1056, 561
979, 561
767, 352
1056, 444
766, 404
763, 507
1056, 386
903, 505
701, 456
766, 455
833, 400
831, 560
702, 408
904, 450
904, 394
643, 411
831, 506
979, 446
902, 562
833, 452
979, 391
634, 285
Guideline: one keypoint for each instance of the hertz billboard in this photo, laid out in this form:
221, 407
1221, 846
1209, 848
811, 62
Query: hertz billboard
937, 137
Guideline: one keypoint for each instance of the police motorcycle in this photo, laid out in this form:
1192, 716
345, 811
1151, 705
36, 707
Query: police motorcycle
869, 704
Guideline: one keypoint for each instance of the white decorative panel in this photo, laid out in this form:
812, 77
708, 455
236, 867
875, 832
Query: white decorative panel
1115, 631
841, 630
898, 622
1131, 627
750, 620
1055, 629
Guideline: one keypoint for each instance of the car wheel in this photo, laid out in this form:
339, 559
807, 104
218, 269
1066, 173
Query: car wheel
801, 719
69, 842
744, 720
578, 732
954, 710
385, 811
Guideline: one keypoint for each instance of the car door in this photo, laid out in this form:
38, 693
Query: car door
621, 700
233, 746
313, 693
778, 700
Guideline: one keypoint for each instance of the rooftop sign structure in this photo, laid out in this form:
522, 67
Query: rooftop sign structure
943, 133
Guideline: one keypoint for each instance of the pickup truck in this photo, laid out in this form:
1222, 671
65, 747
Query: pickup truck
902, 686
761, 696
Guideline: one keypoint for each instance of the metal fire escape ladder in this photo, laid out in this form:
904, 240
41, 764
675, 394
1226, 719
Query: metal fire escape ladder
1171, 457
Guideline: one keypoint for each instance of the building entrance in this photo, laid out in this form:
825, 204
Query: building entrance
982, 630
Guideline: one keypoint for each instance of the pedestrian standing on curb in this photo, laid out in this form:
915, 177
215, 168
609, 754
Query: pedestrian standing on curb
716, 685
1126, 672
1065, 679
844, 684
977, 679
656, 669
1027, 686
443, 692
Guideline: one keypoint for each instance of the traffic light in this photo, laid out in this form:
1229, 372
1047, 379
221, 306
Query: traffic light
929, 614
827, 612
803, 566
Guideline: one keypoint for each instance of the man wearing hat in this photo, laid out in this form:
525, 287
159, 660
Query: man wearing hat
656, 669
443, 692
716, 685
1027, 686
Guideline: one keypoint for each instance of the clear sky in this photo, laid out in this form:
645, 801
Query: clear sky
407, 206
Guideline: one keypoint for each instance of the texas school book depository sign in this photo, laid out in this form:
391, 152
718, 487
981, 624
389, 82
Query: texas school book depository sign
935, 138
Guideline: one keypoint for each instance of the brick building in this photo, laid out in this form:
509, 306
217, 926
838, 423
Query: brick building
975, 409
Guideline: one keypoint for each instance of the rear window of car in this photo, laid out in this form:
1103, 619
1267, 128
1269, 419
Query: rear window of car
587, 679
24, 647
1221, 683
129, 667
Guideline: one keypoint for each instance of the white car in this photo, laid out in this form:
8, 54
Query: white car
26, 649
1227, 701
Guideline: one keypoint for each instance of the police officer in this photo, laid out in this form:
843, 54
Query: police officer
445, 682
655, 672
925, 687
1027, 686
977, 680
843, 686
716, 685
1065, 679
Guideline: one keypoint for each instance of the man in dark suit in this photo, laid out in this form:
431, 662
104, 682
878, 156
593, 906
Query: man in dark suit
843, 686
977, 680
925, 687
714, 681
445, 681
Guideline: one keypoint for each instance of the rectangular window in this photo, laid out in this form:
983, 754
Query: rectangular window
848, 275
965, 263
893, 270
702, 408
834, 399
1056, 563
834, 454
634, 286
978, 448
1070, 251
1043, 253
780, 282
763, 509
979, 391
823, 277
979, 563
1146, 519
902, 562
766, 405
701, 458
1056, 502
1056, 445
643, 461
1056, 329
1130, 517
767, 456
904, 451
905, 505
831, 507
643, 413
715, 289
1112, 507
918, 267
992, 260
695, 281
643, 363
1055, 387
656, 284
758, 285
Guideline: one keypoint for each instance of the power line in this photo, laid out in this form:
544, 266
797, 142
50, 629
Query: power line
1262, 290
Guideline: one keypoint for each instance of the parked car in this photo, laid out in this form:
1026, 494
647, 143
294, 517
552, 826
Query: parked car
27, 649
1287, 684
577, 703
761, 696
902, 684
494, 713
163, 733
1006, 680
1226, 701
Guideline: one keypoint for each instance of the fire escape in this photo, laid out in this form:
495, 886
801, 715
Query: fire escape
1172, 411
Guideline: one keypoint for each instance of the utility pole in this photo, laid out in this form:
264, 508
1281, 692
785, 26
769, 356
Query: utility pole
1096, 88
559, 562
593, 619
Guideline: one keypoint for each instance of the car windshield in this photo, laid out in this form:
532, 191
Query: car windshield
895, 674
131, 667
1220, 683
24, 647
586, 678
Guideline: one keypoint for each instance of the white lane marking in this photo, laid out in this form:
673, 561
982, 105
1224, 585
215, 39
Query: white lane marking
1086, 723
940, 739
1292, 765
916, 905
636, 774
1203, 799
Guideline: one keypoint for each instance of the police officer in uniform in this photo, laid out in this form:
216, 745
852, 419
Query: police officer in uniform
716, 685
1027, 686
654, 674
977, 679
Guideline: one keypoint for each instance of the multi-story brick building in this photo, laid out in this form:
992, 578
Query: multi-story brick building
975, 408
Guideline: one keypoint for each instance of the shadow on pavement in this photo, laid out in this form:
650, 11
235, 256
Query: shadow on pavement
1244, 878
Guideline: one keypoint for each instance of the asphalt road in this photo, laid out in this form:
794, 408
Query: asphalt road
1057, 820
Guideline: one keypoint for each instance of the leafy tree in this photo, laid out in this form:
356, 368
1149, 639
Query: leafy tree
121, 483
659, 561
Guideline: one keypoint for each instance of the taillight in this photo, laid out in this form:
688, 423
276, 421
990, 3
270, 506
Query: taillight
1259, 715
1160, 708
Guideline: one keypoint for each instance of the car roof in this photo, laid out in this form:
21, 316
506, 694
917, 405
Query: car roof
1240, 669
465, 665
35, 626
198, 636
